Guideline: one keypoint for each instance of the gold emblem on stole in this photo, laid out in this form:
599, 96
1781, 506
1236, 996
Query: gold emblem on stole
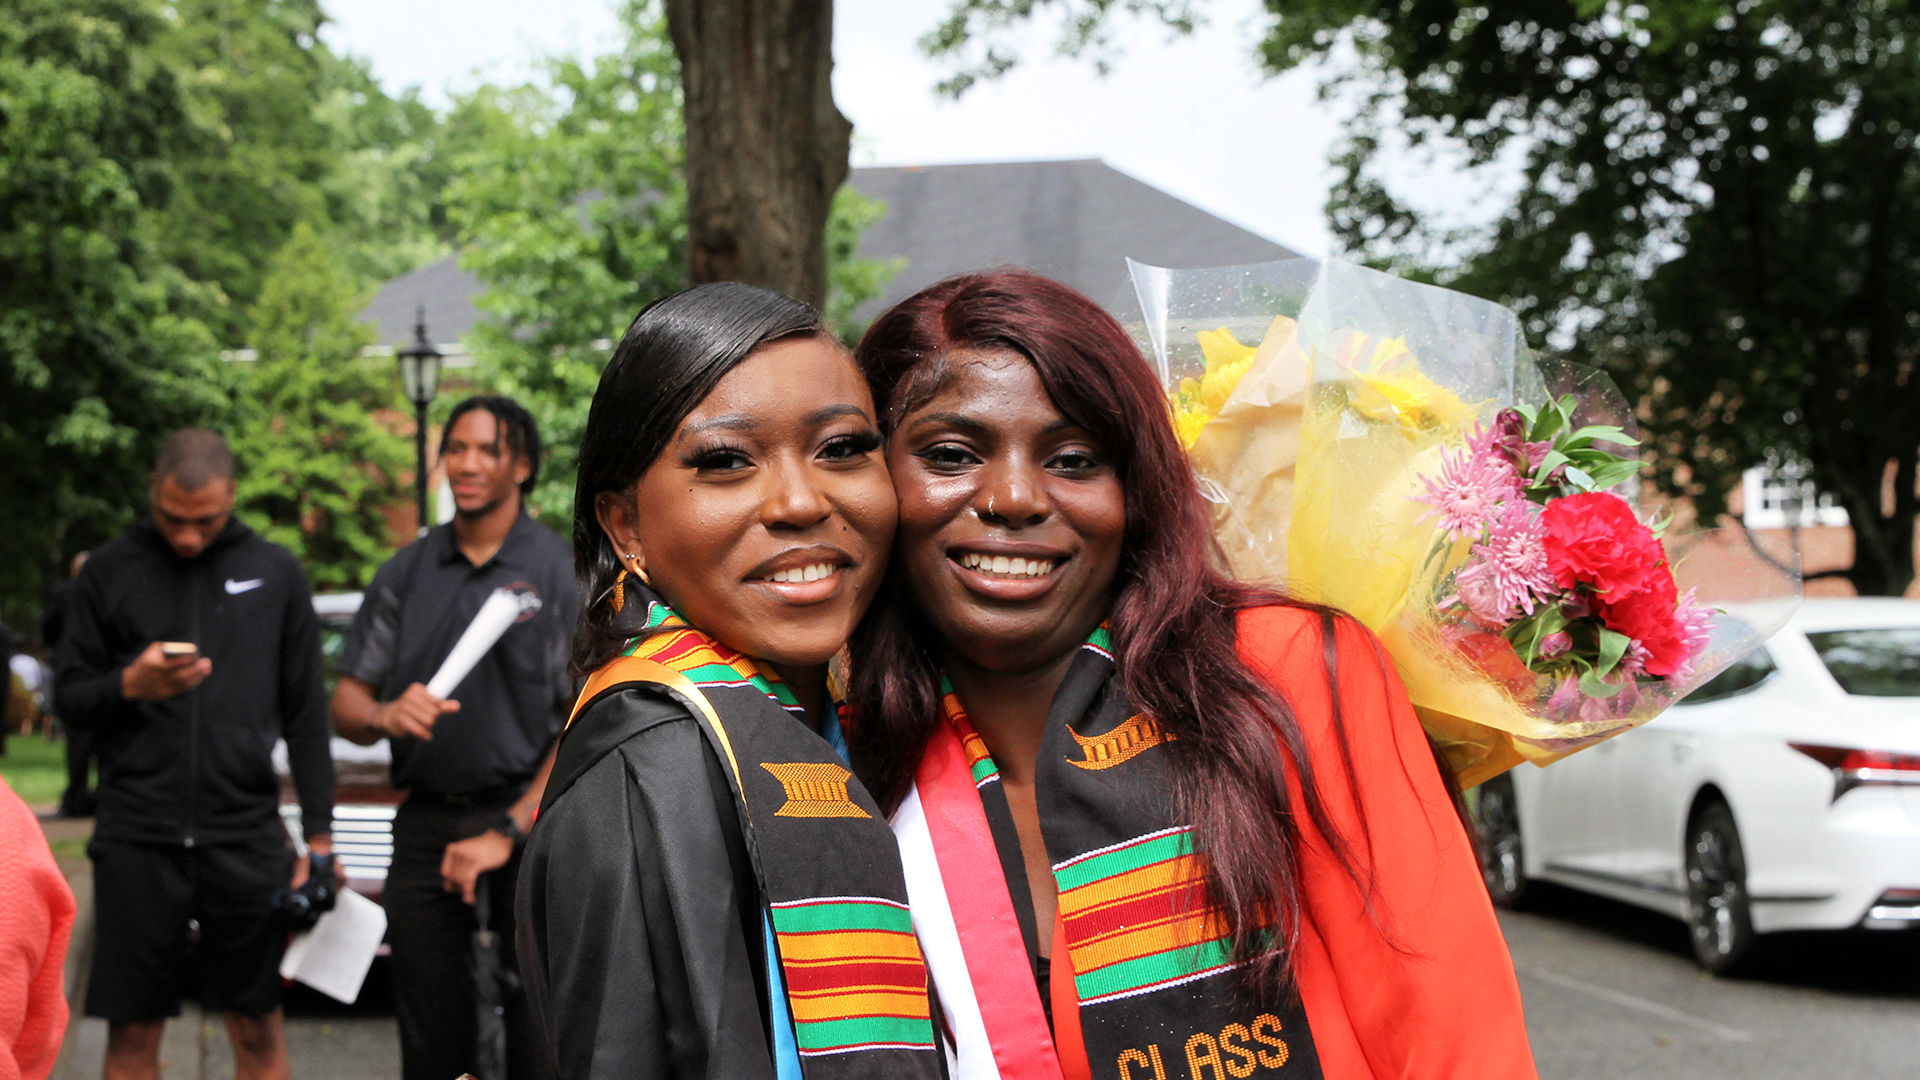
816, 790
1119, 746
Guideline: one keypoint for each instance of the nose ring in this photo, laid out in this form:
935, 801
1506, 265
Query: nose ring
990, 504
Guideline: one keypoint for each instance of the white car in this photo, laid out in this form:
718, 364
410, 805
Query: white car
1782, 795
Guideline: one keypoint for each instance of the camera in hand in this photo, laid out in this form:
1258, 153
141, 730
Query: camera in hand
301, 908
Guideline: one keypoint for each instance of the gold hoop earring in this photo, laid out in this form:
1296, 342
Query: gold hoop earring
640, 572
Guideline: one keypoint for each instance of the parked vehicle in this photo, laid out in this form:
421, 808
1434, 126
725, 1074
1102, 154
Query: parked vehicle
364, 797
1782, 795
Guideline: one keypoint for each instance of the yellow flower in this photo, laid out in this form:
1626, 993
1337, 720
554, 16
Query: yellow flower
1227, 363
1195, 402
1389, 387
1187, 424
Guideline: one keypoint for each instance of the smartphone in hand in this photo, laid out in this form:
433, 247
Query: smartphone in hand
179, 650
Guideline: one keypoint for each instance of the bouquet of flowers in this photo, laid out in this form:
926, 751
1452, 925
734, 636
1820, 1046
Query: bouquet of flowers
1395, 450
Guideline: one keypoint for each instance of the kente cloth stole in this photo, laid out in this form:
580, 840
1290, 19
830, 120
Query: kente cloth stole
1138, 958
829, 875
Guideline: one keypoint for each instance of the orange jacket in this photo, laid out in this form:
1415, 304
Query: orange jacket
36, 915
1413, 978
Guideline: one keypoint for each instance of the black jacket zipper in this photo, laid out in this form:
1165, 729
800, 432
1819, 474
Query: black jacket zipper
196, 585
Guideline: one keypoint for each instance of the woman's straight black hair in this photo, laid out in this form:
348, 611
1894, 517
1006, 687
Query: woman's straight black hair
672, 356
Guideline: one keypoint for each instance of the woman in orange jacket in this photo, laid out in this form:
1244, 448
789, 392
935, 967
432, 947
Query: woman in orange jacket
1157, 824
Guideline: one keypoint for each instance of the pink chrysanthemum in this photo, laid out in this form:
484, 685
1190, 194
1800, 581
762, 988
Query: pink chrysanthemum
1634, 662
1507, 573
1696, 625
1468, 492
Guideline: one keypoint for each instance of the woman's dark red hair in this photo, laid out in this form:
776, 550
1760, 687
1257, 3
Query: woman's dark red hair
1173, 615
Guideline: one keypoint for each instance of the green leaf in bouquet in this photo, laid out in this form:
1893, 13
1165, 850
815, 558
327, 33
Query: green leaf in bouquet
1596, 433
1593, 686
1613, 646
1551, 620
1617, 473
1576, 475
1524, 636
1552, 420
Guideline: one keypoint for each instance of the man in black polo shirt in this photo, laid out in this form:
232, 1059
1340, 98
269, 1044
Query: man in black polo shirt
474, 764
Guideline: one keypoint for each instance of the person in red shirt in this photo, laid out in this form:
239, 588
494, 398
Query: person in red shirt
36, 919
1157, 824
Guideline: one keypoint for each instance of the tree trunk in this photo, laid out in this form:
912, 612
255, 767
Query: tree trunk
766, 146
1883, 536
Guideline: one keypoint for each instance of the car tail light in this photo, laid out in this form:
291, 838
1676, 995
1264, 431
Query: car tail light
1900, 896
1853, 767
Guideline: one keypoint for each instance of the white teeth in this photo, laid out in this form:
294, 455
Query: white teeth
1014, 566
802, 574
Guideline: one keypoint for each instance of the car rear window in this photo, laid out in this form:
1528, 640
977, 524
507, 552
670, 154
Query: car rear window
1872, 663
1740, 676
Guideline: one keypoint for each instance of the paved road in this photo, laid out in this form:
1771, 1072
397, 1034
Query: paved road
1613, 992
327, 1041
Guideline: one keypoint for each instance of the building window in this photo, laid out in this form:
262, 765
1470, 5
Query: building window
1776, 495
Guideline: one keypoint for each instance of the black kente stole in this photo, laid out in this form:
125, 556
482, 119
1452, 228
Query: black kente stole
1138, 958
829, 875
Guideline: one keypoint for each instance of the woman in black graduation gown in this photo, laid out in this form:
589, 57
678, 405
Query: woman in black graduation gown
706, 892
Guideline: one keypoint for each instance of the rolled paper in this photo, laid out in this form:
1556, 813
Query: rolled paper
500, 611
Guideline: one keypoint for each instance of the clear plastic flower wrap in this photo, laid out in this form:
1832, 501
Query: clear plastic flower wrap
1396, 450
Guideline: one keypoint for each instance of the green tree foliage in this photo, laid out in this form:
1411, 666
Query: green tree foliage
972, 36
317, 467
851, 279
284, 131
392, 161
570, 201
572, 210
99, 356
251, 78
1717, 202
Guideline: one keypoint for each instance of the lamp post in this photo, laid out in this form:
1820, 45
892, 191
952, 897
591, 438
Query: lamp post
420, 381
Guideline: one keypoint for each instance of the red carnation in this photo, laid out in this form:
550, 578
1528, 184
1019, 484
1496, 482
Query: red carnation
1649, 616
1594, 540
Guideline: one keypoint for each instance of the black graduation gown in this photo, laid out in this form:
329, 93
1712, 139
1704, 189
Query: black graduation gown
640, 935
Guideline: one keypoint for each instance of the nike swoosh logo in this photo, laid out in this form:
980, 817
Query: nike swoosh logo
235, 588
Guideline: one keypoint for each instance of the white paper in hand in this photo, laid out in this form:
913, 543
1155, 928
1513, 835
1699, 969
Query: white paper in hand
334, 956
499, 612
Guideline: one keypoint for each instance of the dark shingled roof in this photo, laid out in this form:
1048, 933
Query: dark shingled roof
1077, 221
442, 288
1074, 221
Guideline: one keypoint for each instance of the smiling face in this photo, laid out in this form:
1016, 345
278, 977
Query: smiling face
1011, 516
767, 518
483, 472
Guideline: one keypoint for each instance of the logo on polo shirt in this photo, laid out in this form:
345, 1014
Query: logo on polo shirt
527, 595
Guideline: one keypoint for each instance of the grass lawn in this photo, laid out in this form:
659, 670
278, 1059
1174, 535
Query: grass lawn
36, 768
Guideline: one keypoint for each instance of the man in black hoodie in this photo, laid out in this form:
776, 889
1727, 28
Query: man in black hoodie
190, 647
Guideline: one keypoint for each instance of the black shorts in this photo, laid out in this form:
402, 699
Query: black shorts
147, 900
